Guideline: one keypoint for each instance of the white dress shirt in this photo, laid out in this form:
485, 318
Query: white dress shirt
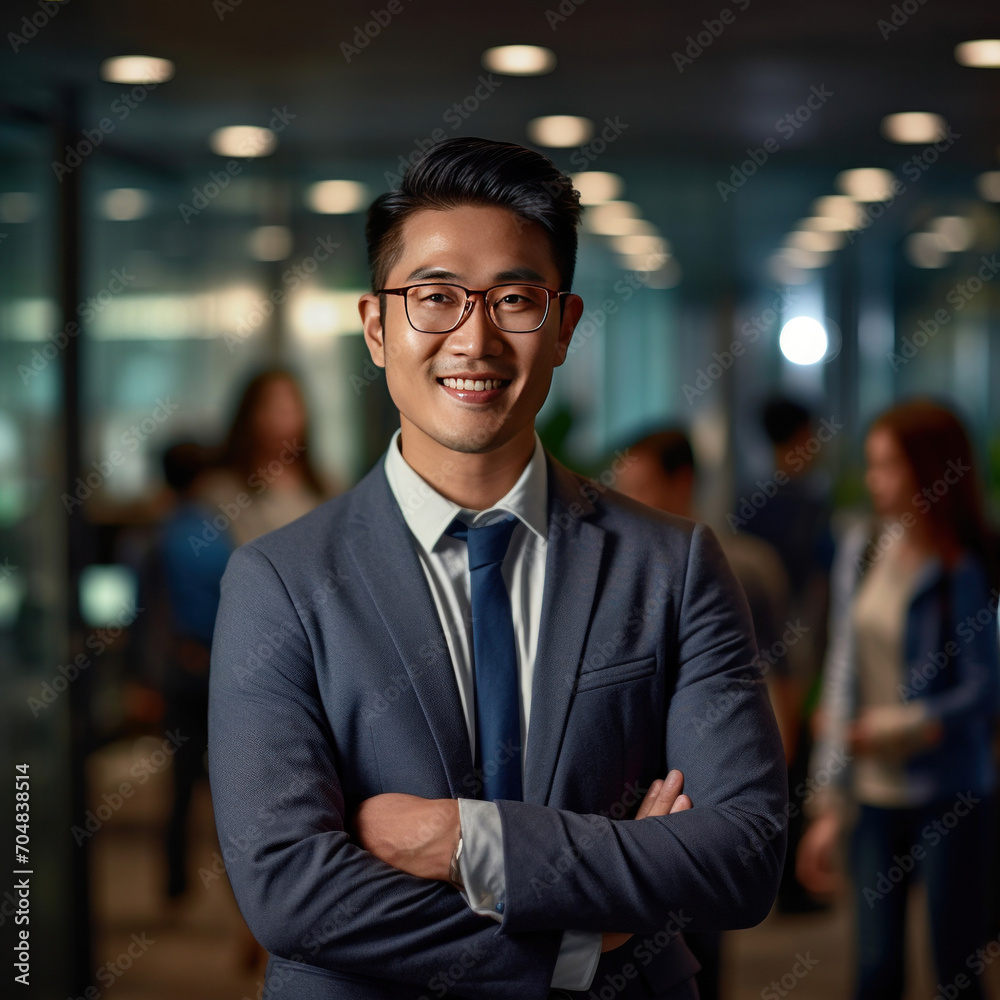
445, 562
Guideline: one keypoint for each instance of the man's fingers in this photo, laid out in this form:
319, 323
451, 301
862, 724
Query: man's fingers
662, 795
681, 803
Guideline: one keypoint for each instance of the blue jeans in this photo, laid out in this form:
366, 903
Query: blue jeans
948, 844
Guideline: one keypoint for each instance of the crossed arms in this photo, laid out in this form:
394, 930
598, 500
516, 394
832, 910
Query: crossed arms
371, 903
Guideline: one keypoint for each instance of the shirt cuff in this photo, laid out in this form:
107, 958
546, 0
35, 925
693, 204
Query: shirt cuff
576, 964
481, 860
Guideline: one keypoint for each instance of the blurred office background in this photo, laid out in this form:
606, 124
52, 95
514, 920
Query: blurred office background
782, 198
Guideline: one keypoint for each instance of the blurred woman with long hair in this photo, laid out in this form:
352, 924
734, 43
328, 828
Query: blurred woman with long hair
910, 697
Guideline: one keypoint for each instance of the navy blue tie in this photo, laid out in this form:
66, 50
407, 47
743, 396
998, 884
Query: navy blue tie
498, 703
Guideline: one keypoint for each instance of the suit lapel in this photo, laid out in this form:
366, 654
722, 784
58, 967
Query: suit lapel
572, 564
385, 554
399, 590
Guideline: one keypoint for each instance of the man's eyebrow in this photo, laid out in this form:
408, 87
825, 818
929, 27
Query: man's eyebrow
512, 274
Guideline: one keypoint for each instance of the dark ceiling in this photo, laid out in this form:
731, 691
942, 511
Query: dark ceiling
236, 60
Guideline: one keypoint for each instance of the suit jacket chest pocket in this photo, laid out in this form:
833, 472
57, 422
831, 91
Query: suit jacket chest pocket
614, 732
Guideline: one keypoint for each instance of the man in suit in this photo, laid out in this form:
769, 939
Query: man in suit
441, 703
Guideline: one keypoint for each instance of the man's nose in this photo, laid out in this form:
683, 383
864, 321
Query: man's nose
476, 333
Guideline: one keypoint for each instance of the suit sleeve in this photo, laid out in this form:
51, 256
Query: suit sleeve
307, 892
713, 867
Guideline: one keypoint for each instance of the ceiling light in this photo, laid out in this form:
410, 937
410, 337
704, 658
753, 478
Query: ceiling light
825, 223
243, 140
560, 131
866, 183
988, 185
913, 126
982, 53
609, 218
270, 243
639, 244
597, 186
803, 340
841, 208
643, 261
816, 240
336, 197
125, 204
520, 60
954, 231
136, 69
925, 250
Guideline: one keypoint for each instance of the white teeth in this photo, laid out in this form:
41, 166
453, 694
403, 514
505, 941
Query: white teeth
468, 384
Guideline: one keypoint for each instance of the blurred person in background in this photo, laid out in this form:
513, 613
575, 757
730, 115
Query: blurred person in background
660, 471
266, 477
189, 567
910, 697
796, 522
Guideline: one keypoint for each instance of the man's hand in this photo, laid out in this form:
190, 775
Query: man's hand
663, 797
413, 834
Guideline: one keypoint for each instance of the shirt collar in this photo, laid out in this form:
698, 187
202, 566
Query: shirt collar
428, 513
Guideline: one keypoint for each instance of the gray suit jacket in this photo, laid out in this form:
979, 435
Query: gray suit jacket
331, 682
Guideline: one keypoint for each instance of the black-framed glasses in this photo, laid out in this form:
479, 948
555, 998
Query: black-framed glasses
439, 307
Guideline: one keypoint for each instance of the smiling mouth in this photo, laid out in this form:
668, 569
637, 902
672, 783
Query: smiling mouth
474, 385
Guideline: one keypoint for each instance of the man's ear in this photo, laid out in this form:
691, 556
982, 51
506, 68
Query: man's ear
371, 323
571, 313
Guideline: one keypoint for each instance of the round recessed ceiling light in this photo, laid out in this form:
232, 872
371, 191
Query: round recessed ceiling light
243, 140
597, 186
981, 53
866, 183
136, 69
913, 126
612, 218
818, 241
520, 60
560, 131
270, 243
841, 209
954, 231
125, 204
926, 250
636, 244
336, 197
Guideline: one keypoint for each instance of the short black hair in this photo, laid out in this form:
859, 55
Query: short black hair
476, 171
671, 447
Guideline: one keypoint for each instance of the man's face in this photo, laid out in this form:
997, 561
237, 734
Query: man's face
476, 247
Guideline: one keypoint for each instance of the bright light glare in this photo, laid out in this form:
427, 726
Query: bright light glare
988, 185
610, 218
136, 69
243, 140
597, 186
560, 131
803, 340
866, 183
981, 53
125, 204
520, 60
336, 197
913, 126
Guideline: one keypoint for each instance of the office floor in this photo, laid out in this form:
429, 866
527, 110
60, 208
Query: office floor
198, 948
